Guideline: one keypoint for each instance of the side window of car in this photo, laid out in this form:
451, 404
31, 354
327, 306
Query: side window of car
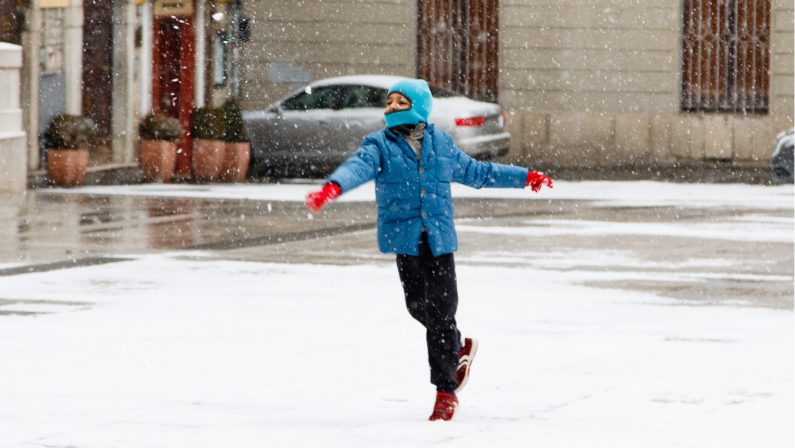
364, 96
327, 97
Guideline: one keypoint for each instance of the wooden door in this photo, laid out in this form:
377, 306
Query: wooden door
98, 64
457, 45
173, 71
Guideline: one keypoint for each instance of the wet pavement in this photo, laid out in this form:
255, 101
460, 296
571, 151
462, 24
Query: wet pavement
48, 230
46, 227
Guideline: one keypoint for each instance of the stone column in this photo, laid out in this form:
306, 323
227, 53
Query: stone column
13, 169
145, 75
73, 57
123, 119
31, 44
201, 50
234, 45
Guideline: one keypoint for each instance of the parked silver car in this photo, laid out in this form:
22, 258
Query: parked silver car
318, 127
782, 160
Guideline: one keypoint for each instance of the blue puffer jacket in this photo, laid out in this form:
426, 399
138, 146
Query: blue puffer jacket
414, 194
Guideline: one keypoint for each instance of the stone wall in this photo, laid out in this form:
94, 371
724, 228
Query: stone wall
297, 41
598, 82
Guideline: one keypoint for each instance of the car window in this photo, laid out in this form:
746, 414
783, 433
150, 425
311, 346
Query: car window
326, 97
364, 96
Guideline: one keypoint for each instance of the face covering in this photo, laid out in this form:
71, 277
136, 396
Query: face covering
417, 91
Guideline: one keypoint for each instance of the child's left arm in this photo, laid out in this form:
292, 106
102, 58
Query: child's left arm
477, 174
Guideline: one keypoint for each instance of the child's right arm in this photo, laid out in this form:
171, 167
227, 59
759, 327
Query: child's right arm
361, 167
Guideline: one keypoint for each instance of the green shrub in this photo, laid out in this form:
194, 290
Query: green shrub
235, 131
207, 123
69, 132
159, 126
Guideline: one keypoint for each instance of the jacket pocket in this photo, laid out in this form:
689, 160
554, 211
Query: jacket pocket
443, 169
396, 197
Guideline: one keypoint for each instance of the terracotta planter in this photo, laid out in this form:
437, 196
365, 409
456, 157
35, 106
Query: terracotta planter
158, 158
208, 159
238, 156
67, 167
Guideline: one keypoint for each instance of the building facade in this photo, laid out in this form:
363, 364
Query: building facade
585, 83
115, 61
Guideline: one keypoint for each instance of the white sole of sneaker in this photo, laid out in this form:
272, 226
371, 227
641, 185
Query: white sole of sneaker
468, 359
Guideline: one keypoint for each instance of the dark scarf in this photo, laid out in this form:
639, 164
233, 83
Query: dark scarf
403, 129
413, 134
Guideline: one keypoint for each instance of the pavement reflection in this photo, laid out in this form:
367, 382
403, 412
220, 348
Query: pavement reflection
43, 227
666, 249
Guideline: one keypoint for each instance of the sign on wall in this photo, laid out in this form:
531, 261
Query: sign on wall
53, 4
173, 7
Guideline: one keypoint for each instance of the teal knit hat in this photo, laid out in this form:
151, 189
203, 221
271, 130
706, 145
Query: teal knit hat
416, 91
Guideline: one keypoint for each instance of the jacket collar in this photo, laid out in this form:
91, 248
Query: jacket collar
395, 137
403, 144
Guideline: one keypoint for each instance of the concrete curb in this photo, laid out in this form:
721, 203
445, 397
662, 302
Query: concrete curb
121, 174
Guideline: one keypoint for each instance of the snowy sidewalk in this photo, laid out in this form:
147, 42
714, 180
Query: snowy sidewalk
248, 354
187, 349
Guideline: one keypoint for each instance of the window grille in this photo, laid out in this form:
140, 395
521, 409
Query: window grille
726, 56
457, 45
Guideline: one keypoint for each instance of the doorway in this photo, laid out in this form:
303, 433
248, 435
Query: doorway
98, 74
173, 71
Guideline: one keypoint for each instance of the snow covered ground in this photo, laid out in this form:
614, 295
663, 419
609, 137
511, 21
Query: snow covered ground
189, 350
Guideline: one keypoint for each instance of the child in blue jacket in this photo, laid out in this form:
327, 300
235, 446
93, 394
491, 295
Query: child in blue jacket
413, 164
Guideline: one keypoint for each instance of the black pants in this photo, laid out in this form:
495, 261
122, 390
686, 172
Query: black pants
429, 284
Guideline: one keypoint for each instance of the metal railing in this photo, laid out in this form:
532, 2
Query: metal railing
726, 56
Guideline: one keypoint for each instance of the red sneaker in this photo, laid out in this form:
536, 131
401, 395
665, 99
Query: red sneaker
445, 405
465, 357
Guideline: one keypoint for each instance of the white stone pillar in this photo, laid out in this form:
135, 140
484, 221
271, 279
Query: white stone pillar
13, 166
123, 118
233, 13
145, 74
200, 54
31, 44
73, 57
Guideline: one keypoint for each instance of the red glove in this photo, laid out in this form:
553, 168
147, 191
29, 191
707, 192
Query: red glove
316, 200
536, 180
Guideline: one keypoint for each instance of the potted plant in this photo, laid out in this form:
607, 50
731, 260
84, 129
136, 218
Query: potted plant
157, 152
67, 140
207, 130
238, 149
